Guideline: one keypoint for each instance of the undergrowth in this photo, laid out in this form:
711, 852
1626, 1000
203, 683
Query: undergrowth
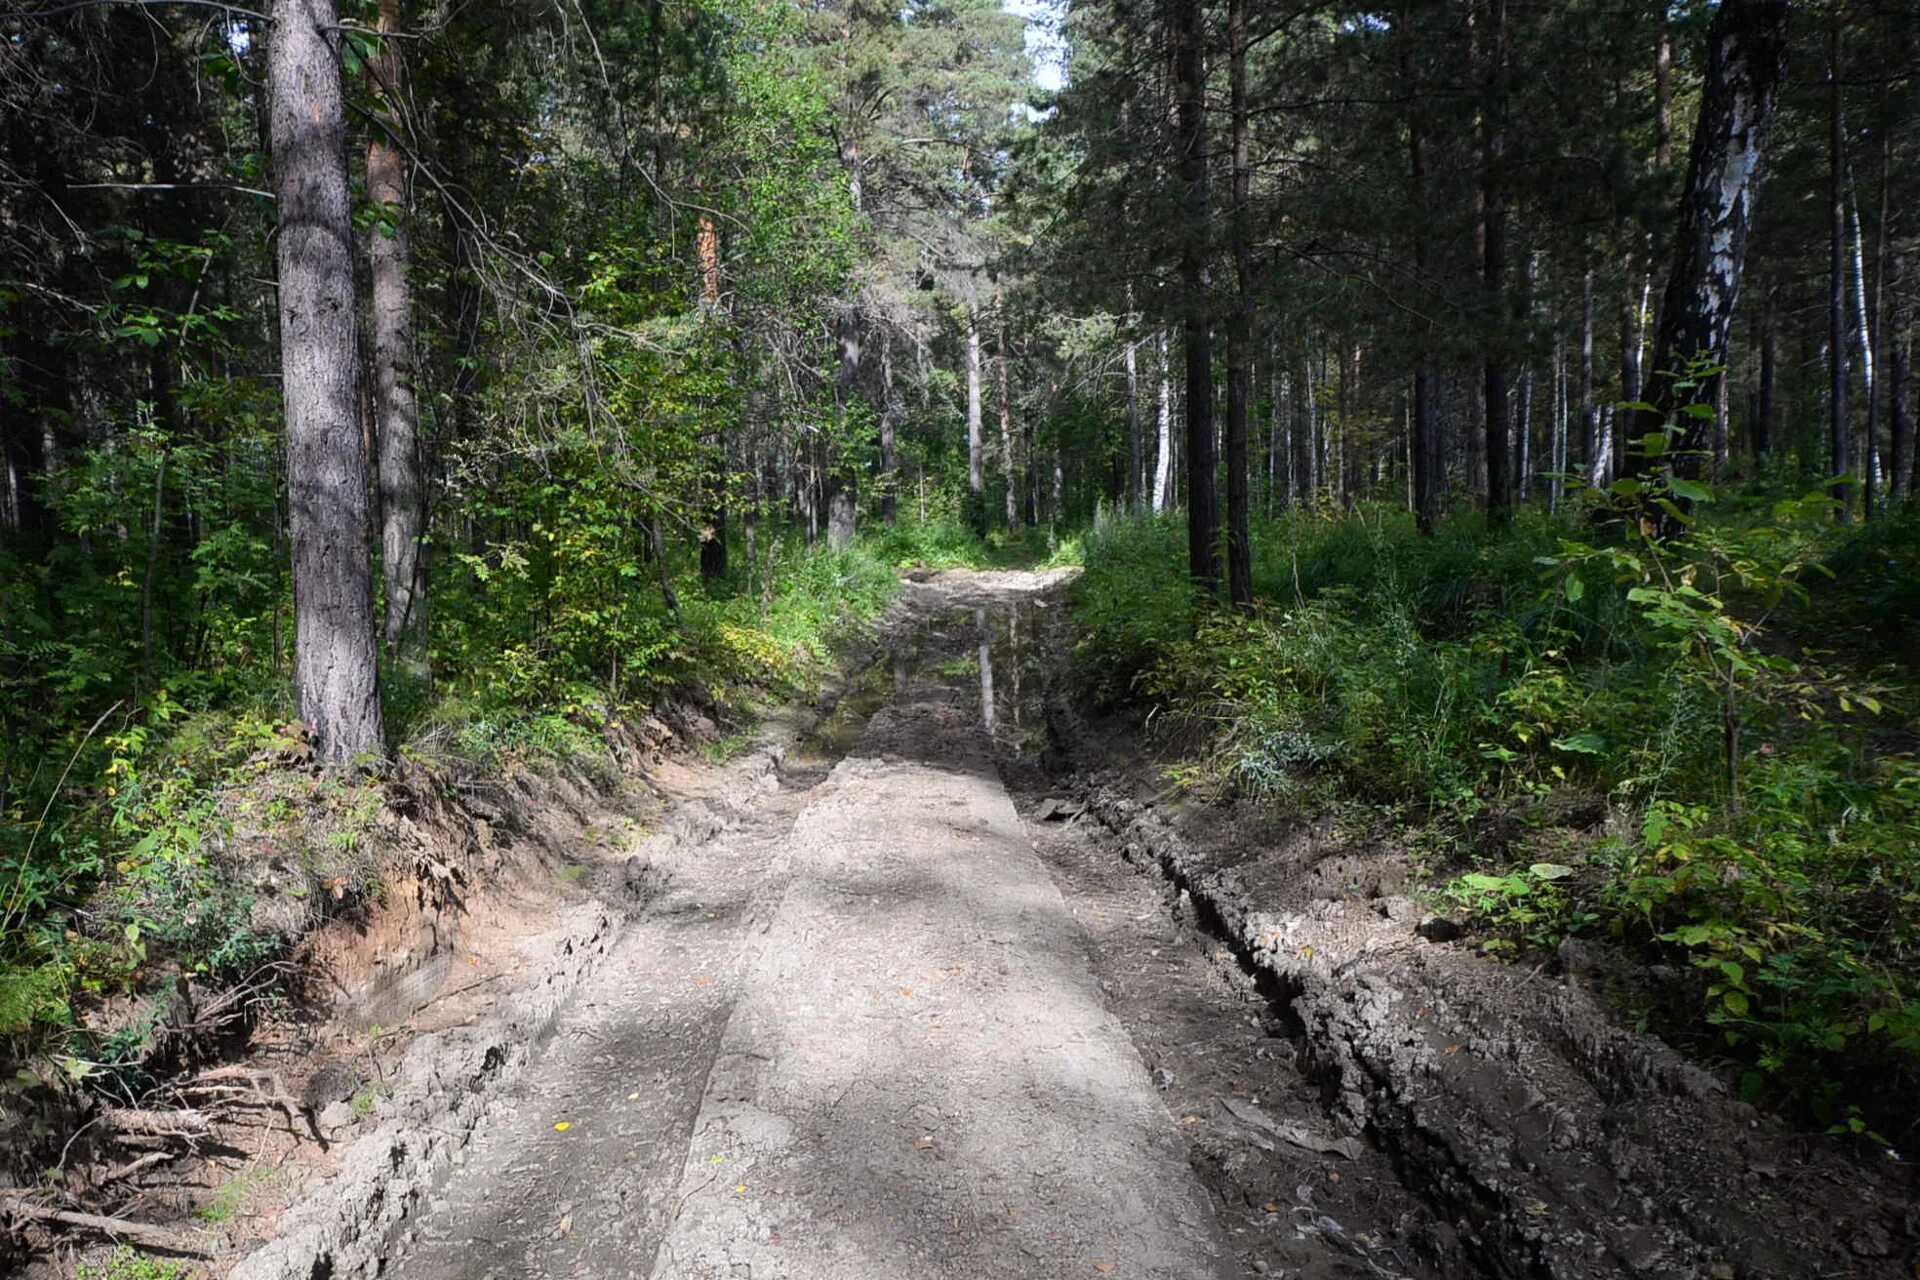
182, 836
1700, 747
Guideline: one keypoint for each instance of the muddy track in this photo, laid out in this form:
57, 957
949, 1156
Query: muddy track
939, 990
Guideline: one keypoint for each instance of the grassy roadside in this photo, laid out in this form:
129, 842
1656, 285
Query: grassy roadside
1700, 752
186, 840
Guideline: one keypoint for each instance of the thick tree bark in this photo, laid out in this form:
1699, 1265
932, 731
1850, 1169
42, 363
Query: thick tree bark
1240, 326
1203, 499
336, 674
1745, 58
395, 409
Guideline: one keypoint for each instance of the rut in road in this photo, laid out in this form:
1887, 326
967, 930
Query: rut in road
860, 1038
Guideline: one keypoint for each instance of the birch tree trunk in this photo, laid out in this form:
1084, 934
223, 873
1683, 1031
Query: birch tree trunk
1745, 59
976, 444
1136, 446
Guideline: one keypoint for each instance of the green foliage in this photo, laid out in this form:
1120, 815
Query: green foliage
1480, 674
128, 1263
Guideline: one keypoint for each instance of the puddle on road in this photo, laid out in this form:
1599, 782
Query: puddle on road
990, 656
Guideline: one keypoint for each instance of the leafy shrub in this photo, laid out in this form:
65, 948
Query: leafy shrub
1484, 672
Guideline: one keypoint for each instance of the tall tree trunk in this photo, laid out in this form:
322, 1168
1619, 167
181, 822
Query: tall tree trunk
1493, 145
1763, 414
1203, 499
1007, 460
976, 443
1163, 452
1745, 58
1839, 430
1632, 325
1307, 443
403, 503
1663, 97
336, 673
1277, 440
1863, 339
1900, 424
1427, 453
1136, 445
1240, 326
889, 438
1589, 411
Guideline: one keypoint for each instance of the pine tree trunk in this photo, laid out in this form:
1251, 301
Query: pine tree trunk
336, 673
1240, 327
1840, 433
403, 504
1428, 457
1494, 264
1900, 425
1203, 500
1763, 414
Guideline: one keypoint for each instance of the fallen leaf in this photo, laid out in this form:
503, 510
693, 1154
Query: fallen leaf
562, 1126
739, 1188
1106, 1267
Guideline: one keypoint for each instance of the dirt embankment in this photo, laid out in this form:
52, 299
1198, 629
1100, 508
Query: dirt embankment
316, 1105
1548, 1137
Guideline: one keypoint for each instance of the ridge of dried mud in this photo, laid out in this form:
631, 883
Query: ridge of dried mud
1547, 1138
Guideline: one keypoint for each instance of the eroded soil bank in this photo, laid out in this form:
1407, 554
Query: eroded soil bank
1537, 1131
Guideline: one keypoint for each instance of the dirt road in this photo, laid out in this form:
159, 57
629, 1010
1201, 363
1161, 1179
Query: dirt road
900, 1009
860, 1037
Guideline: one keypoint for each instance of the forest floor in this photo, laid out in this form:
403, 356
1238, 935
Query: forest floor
943, 987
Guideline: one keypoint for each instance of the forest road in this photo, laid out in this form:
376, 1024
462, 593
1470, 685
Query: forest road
865, 1043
